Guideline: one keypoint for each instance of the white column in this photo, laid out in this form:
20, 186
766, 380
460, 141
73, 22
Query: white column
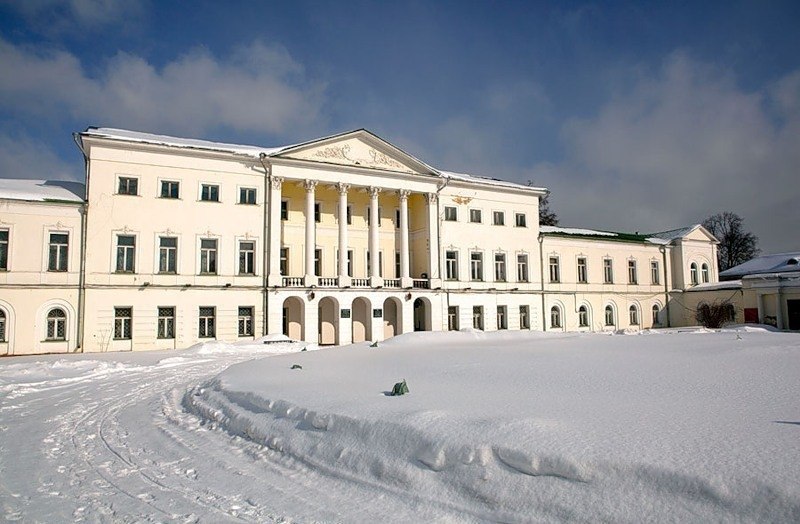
311, 232
274, 248
405, 250
344, 279
374, 239
433, 240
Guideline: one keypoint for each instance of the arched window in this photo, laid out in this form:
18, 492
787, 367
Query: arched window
693, 273
555, 317
2, 326
609, 316
704, 272
56, 324
656, 311
583, 316
633, 312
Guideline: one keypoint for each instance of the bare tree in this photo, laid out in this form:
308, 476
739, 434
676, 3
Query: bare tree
735, 244
546, 217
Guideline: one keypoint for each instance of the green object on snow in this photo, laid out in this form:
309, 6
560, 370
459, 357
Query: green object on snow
297, 366
401, 388
374, 344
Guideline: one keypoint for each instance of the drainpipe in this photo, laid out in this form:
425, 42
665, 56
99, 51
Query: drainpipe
541, 279
439, 189
666, 284
82, 272
267, 240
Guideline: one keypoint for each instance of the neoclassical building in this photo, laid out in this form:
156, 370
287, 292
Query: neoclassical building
342, 239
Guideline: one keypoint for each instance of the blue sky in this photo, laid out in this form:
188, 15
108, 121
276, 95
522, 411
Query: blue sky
638, 116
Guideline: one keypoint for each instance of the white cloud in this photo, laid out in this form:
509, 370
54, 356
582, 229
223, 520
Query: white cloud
679, 145
259, 88
24, 157
59, 16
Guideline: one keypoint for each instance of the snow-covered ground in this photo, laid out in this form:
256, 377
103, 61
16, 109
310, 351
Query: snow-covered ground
507, 426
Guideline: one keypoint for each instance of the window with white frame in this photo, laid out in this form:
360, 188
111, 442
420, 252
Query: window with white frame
123, 323
522, 268
476, 265
583, 274
524, 317
207, 322
170, 189
167, 254
500, 267
555, 270
209, 193
693, 273
317, 212
208, 256
477, 317
247, 258
555, 317
704, 272
609, 316
349, 215
498, 218
397, 264
475, 216
126, 253
285, 210
246, 321
3, 249
318, 262
58, 252
452, 318
583, 316
608, 271
655, 274
284, 262
166, 322
633, 314
502, 317
128, 186
247, 195
56, 324
632, 276
450, 213
2, 326
520, 220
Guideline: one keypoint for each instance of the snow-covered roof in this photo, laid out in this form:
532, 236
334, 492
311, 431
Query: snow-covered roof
711, 286
576, 231
41, 190
777, 263
599, 234
488, 181
672, 234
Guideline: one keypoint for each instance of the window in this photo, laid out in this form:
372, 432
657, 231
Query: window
380, 264
3, 249
475, 216
208, 256
59, 249
126, 253
285, 210
476, 266
608, 271
317, 212
500, 267
582, 271
56, 324
397, 218
609, 314
350, 262
632, 276
128, 186
502, 317
166, 322
247, 195
555, 317
555, 273
498, 218
477, 317
524, 317
207, 328
654, 272
247, 258
209, 193
318, 262
633, 313
396, 264
450, 214
380, 216
583, 317
522, 268
349, 215
451, 265
520, 220
704, 272
167, 255
245, 321
656, 311
452, 318
693, 273
2, 326
284, 264
123, 320
170, 189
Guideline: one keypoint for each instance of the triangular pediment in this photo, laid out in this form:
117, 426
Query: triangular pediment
700, 233
358, 149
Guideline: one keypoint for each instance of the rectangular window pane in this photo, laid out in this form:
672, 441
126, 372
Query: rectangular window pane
475, 216
208, 256
128, 186
608, 271
247, 258
209, 193
582, 270
520, 220
207, 328
450, 214
284, 210
247, 195
451, 265
166, 322
498, 218
452, 318
169, 189
476, 266
654, 273
3, 249
632, 277
524, 317
245, 321
126, 250
555, 275
500, 267
522, 268
123, 317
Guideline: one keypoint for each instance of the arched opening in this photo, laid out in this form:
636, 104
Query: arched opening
56, 324
293, 316
704, 273
656, 311
362, 320
555, 317
633, 315
422, 315
328, 321
2, 326
693, 273
583, 316
609, 316
392, 317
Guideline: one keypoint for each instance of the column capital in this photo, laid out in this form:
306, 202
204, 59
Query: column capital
342, 188
309, 185
373, 191
431, 198
277, 182
404, 194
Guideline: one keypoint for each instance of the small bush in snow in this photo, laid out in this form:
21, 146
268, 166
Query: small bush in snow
401, 388
715, 315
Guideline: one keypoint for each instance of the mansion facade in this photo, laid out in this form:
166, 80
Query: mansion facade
342, 239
